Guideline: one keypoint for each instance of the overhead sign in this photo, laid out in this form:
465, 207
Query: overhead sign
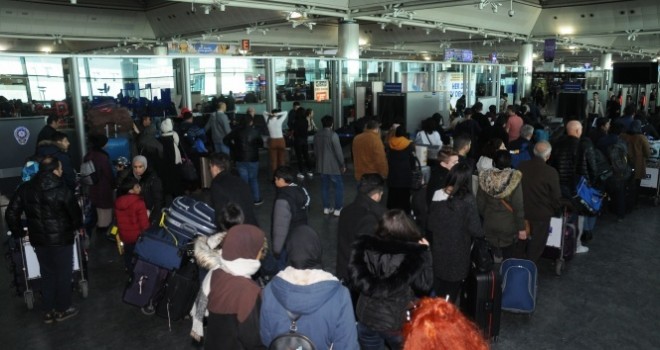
458, 55
203, 49
549, 50
392, 87
321, 90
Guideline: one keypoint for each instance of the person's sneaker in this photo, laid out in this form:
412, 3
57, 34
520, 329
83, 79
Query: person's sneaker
300, 176
310, 174
49, 317
65, 315
581, 249
259, 202
327, 211
336, 212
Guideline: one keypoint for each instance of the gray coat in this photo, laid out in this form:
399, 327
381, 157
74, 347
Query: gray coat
219, 125
329, 156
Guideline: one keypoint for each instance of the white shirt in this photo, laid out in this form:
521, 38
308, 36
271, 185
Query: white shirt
423, 138
598, 108
275, 124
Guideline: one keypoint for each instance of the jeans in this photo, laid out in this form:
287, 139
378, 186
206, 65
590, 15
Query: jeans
56, 265
589, 223
249, 172
375, 340
338, 184
221, 147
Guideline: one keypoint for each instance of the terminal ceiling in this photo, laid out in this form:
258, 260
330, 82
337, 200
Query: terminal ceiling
403, 29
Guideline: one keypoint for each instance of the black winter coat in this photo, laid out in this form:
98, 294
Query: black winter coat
51, 209
573, 157
388, 274
401, 164
244, 144
358, 218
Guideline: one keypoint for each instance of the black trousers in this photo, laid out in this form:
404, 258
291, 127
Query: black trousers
302, 155
56, 265
398, 198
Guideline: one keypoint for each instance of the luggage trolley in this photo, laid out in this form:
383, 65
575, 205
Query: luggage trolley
652, 179
31, 271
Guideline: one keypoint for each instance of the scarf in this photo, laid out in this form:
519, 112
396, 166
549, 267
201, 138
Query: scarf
167, 130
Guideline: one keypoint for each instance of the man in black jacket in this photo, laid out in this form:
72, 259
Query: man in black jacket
226, 188
49, 130
53, 216
244, 143
358, 218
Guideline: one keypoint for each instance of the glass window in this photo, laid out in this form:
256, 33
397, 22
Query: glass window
11, 65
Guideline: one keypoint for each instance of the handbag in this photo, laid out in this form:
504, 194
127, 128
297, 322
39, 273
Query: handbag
417, 175
482, 255
590, 199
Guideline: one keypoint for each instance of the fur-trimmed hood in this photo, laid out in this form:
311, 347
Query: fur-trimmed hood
207, 252
499, 183
380, 267
304, 291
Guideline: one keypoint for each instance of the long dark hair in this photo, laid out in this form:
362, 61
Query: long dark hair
396, 225
460, 179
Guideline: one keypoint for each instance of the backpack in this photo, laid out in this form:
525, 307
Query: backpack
618, 156
88, 175
603, 169
292, 339
196, 137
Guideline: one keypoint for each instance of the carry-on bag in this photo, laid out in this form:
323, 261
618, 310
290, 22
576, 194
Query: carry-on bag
562, 240
158, 246
146, 281
481, 301
519, 284
179, 293
198, 215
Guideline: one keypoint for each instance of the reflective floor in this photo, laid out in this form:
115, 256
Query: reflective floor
607, 299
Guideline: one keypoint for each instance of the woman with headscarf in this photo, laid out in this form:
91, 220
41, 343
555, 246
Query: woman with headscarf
304, 289
401, 162
390, 269
171, 163
152, 187
234, 299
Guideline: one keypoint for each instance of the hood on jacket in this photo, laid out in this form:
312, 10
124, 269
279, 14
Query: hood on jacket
126, 201
166, 126
499, 183
399, 143
304, 248
303, 291
207, 250
299, 193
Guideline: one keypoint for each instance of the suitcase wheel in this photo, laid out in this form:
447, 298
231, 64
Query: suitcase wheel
29, 299
84, 289
148, 310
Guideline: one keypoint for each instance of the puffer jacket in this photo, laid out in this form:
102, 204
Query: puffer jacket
244, 144
132, 218
50, 148
51, 208
496, 186
572, 158
388, 274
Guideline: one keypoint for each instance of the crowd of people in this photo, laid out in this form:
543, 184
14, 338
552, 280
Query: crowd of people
495, 177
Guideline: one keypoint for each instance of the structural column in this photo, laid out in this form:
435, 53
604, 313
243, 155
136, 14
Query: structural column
349, 49
271, 92
526, 59
76, 101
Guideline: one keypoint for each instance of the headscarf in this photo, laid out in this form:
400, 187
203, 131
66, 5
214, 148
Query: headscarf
232, 290
304, 248
143, 161
167, 129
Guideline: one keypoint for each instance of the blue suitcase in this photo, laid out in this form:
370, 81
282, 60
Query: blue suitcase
189, 212
518, 285
146, 281
118, 147
183, 232
160, 247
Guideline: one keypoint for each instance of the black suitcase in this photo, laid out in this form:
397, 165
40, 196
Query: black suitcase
180, 293
482, 302
144, 285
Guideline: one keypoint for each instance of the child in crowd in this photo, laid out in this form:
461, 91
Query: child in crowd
132, 217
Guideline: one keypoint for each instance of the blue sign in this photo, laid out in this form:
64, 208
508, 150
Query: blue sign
392, 87
549, 48
572, 87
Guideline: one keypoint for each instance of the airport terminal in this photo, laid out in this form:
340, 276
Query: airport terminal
117, 78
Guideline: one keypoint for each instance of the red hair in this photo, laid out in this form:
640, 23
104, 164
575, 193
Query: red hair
437, 324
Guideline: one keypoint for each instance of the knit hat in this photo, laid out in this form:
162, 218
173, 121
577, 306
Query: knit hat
243, 241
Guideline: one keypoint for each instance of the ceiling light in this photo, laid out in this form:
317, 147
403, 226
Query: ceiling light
383, 25
223, 7
73, 2
566, 30
428, 31
3, 48
46, 49
293, 15
207, 9
362, 42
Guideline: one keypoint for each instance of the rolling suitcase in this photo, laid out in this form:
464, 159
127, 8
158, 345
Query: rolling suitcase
117, 146
146, 281
562, 241
179, 293
519, 284
199, 215
482, 302
158, 246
